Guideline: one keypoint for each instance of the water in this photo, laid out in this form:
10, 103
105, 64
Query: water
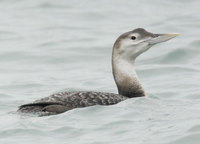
49, 46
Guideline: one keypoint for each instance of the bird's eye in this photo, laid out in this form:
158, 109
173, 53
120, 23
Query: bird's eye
133, 37
155, 35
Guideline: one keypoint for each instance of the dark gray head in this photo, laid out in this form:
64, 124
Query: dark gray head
131, 44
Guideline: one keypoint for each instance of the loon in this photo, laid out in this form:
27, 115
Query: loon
126, 49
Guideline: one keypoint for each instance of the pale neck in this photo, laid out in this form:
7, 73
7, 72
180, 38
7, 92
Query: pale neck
126, 78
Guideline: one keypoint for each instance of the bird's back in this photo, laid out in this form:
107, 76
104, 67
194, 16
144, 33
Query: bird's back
64, 101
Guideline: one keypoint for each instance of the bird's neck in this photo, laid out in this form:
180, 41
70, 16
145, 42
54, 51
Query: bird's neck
126, 78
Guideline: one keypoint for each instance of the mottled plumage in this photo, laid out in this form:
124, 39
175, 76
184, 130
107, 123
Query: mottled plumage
125, 50
64, 101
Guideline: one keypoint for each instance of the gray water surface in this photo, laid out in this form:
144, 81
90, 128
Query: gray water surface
49, 46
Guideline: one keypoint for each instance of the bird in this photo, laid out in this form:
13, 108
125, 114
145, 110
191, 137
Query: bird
126, 49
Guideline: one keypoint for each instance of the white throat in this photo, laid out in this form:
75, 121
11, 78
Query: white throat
125, 77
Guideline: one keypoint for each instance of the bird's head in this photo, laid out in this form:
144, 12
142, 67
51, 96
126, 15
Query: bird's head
133, 43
